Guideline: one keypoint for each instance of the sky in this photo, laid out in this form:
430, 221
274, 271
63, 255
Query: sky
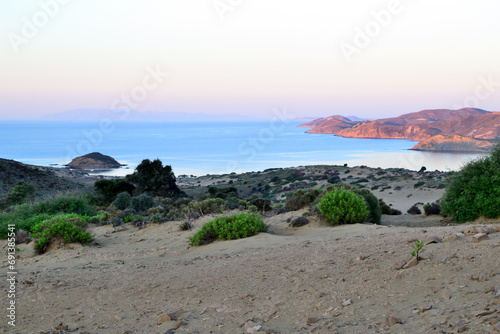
316, 58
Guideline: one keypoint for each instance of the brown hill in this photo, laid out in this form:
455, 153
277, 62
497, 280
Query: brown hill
453, 143
448, 125
45, 179
332, 124
427, 116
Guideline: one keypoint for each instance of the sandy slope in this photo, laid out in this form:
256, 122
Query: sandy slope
285, 281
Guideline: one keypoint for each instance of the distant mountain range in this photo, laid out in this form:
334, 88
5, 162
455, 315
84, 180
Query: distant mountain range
136, 116
467, 129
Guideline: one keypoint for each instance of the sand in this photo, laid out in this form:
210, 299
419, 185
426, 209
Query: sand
312, 279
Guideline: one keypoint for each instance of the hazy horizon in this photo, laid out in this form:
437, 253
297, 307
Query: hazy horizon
370, 59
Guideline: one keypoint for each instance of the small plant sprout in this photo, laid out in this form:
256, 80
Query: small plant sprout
417, 248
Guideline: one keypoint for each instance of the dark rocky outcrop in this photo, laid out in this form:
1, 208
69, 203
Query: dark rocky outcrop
94, 160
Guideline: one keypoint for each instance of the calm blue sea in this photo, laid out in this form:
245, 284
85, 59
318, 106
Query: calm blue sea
201, 148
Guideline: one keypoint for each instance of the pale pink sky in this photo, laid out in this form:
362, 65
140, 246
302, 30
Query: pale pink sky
368, 58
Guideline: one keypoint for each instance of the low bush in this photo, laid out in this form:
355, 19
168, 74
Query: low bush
123, 200
432, 209
185, 226
334, 179
142, 203
418, 184
474, 191
386, 209
414, 210
195, 209
302, 198
67, 227
262, 204
130, 218
109, 189
241, 225
299, 221
343, 207
24, 216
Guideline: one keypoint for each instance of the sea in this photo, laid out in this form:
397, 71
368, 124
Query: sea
195, 148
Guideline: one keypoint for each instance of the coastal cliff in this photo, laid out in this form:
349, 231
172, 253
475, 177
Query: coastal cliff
468, 129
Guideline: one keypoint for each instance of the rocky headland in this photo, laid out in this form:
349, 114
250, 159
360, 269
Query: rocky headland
467, 129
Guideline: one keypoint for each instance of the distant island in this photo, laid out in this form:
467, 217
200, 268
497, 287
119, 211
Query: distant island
463, 130
94, 160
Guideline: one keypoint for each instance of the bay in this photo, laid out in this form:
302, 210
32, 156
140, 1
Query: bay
196, 148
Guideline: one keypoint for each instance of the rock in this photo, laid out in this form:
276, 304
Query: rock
359, 258
251, 327
94, 161
312, 321
163, 318
347, 303
424, 308
391, 321
432, 240
454, 236
411, 263
480, 237
482, 313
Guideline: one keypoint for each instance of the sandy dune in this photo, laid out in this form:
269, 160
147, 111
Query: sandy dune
313, 279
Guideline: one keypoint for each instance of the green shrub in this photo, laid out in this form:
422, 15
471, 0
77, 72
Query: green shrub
302, 198
157, 210
343, 207
128, 219
334, 179
155, 219
418, 184
26, 215
474, 191
123, 200
196, 209
253, 208
432, 209
67, 227
142, 203
375, 212
241, 225
262, 204
414, 210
